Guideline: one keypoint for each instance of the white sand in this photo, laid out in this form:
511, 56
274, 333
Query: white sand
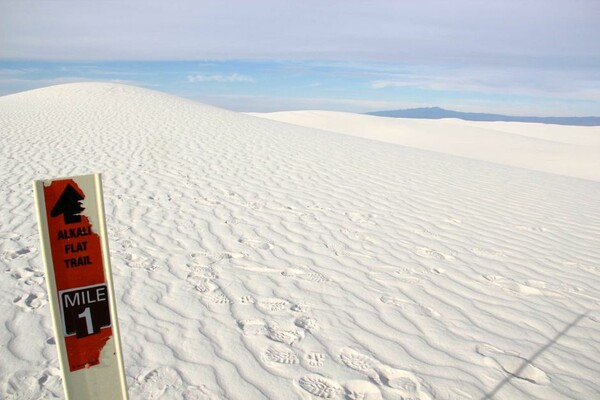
255, 259
565, 150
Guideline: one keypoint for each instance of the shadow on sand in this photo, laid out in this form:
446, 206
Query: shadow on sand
530, 360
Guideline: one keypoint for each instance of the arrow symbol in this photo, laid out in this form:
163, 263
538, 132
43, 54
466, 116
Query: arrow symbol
69, 204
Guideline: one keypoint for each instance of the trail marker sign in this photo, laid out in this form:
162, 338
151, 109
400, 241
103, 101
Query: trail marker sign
72, 227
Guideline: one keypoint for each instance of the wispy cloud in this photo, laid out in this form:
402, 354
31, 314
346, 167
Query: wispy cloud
387, 84
493, 81
534, 33
220, 78
355, 87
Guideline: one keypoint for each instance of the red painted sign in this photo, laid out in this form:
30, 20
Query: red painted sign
79, 273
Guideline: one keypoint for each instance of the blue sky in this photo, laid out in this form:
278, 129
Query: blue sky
517, 57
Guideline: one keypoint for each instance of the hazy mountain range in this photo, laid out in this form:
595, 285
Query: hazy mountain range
438, 113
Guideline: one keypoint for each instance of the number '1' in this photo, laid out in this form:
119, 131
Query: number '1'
88, 320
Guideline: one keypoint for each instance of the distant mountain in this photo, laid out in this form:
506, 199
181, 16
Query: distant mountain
437, 113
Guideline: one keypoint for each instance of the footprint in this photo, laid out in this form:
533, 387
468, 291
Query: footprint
314, 277
413, 272
197, 393
410, 306
257, 243
10, 236
512, 364
301, 308
395, 301
426, 252
320, 386
492, 278
29, 276
35, 280
272, 304
310, 276
404, 383
199, 267
530, 288
253, 205
357, 361
307, 323
229, 256
361, 218
247, 300
425, 233
23, 385
205, 286
139, 262
166, 382
340, 250
356, 235
337, 249
289, 337
487, 253
253, 327
158, 380
213, 258
29, 302
11, 255
422, 310
208, 273
200, 282
281, 356
308, 218
315, 359
23, 251
514, 287
361, 390
50, 379
536, 284
217, 297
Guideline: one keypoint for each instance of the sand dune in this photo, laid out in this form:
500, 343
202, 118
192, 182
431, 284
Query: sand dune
565, 150
255, 259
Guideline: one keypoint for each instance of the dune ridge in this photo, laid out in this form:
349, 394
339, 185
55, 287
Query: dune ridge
564, 150
255, 259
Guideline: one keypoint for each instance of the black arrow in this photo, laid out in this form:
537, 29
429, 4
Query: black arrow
69, 205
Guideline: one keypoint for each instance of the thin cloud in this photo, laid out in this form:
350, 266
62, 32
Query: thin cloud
387, 84
535, 33
220, 78
484, 80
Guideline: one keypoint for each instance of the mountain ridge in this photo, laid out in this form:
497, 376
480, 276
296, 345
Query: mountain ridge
439, 113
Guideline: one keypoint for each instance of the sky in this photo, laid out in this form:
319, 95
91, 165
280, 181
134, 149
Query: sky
525, 57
